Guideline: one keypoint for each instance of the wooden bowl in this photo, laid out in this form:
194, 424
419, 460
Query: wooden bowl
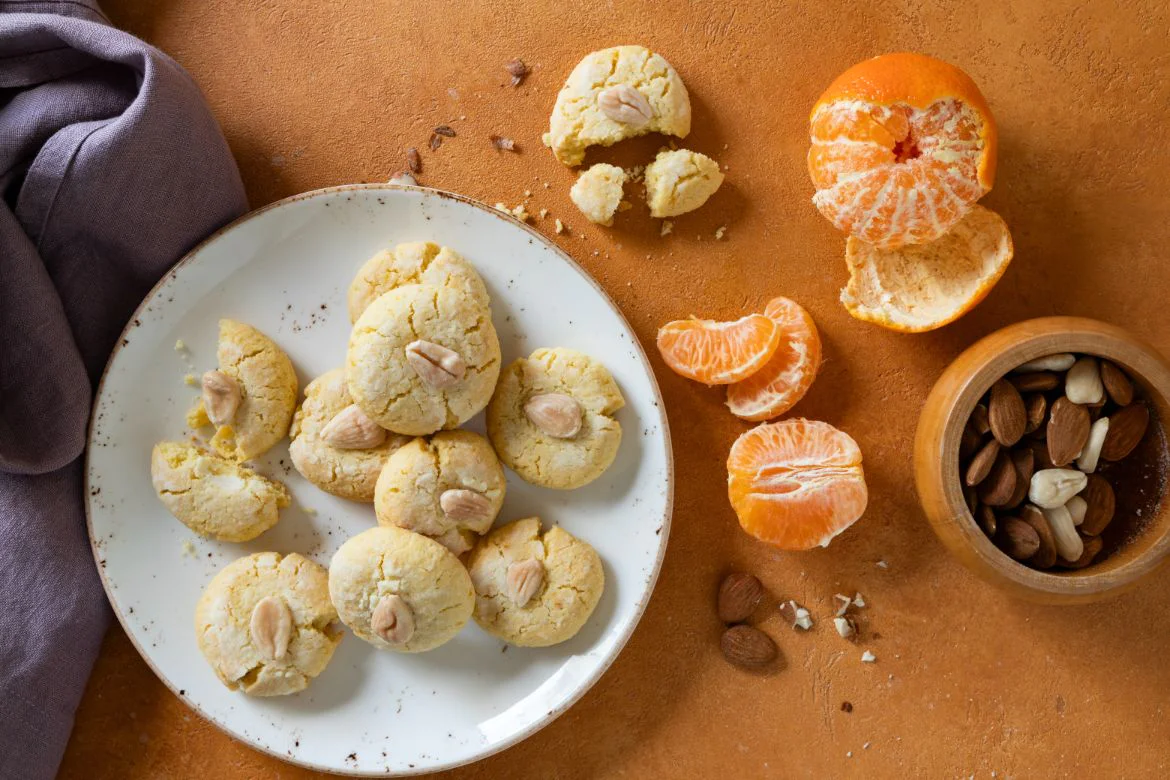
936, 458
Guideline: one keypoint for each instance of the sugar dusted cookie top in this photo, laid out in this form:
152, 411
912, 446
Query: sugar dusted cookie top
266, 625
422, 262
213, 496
613, 94
449, 487
531, 588
350, 470
598, 192
264, 383
551, 418
399, 590
679, 181
422, 358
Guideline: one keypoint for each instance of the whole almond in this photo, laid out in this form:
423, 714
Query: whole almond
739, 595
1090, 456
1018, 539
352, 429
1126, 428
1064, 533
968, 443
979, 420
464, 505
987, 520
1040, 454
1000, 485
1101, 503
393, 620
980, 465
622, 103
1082, 383
556, 414
1059, 362
971, 498
271, 627
1117, 384
1068, 430
1024, 461
747, 647
221, 397
1006, 413
1092, 548
1045, 555
523, 579
435, 365
1036, 382
1036, 409
1051, 488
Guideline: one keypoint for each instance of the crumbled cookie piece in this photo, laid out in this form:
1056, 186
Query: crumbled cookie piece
680, 181
598, 192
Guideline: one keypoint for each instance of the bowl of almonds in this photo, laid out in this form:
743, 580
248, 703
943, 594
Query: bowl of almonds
1041, 460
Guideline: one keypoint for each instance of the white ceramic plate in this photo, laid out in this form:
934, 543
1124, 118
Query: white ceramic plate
285, 269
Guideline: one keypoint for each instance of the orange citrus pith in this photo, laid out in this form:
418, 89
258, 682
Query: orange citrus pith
718, 353
796, 483
787, 376
902, 145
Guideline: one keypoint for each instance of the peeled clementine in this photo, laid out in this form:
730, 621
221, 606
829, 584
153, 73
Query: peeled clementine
718, 353
787, 376
797, 483
902, 145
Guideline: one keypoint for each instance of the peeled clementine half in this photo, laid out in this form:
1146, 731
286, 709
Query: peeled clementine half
718, 353
902, 145
796, 483
787, 376
925, 286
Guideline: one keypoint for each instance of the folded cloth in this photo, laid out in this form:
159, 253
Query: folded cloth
111, 167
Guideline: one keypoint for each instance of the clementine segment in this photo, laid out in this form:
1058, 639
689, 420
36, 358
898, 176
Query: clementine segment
718, 353
787, 376
797, 483
902, 145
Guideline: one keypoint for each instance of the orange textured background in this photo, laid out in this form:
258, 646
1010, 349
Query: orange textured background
314, 93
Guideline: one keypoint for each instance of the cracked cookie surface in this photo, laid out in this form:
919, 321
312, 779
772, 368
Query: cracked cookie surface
572, 584
224, 616
213, 496
348, 473
381, 379
542, 459
679, 181
578, 122
412, 483
389, 561
420, 262
268, 388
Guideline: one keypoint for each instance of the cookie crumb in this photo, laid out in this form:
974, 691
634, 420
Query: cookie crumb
403, 177
180, 346
560, 226
504, 144
667, 228
868, 657
719, 233
543, 213
858, 601
189, 379
528, 193
308, 510
882, 565
188, 548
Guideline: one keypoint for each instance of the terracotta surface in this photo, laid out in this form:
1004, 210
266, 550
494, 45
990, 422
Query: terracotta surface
967, 681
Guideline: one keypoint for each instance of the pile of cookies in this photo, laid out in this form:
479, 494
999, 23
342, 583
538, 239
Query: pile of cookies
619, 93
423, 358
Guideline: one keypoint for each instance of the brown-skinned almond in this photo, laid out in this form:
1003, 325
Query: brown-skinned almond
1036, 409
1117, 385
979, 421
1006, 414
739, 595
1126, 428
1101, 504
1036, 382
1045, 555
747, 647
999, 487
1024, 461
1018, 539
1068, 430
987, 520
980, 465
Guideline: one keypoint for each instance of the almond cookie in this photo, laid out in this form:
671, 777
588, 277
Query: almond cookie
334, 444
449, 487
679, 181
266, 625
551, 418
613, 94
399, 590
251, 397
421, 262
531, 588
598, 192
422, 358
213, 496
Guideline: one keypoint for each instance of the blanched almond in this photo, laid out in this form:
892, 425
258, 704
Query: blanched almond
271, 627
436, 365
523, 579
556, 414
1051, 488
352, 429
393, 620
1060, 362
1083, 384
1091, 455
622, 103
1064, 534
221, 397
466, 505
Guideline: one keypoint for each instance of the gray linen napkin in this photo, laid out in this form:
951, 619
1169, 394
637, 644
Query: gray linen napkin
111, 167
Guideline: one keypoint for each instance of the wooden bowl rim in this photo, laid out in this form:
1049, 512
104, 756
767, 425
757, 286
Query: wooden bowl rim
996, 355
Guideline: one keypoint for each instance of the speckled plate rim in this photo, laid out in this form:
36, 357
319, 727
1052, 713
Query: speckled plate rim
642, 602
